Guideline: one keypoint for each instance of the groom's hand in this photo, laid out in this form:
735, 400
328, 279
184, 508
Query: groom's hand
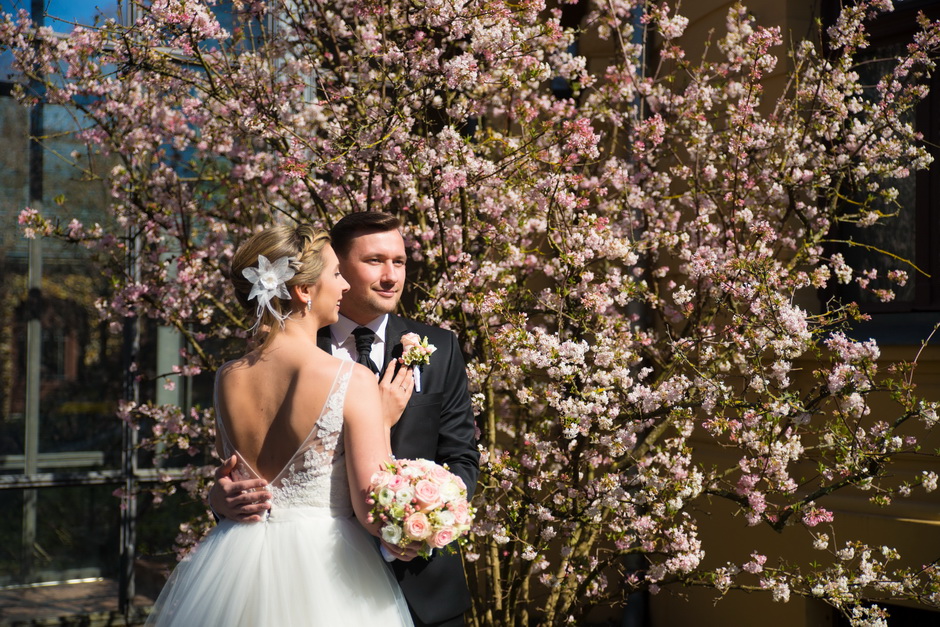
405, 554
241, 501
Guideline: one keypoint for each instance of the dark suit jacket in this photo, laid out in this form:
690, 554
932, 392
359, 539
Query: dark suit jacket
437, 424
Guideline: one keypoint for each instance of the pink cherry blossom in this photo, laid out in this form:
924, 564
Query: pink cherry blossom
632, 263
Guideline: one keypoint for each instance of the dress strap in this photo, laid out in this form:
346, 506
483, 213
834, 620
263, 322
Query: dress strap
331, 414
329, 421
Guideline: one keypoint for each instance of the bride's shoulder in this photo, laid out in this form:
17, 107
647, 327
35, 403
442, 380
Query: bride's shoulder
361, 381
236, 371
362, 376
235, 367
318, 371
362, 396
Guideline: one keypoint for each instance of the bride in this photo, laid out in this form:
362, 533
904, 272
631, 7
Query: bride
311, 426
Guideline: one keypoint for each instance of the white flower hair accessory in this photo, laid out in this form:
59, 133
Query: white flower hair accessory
268, 281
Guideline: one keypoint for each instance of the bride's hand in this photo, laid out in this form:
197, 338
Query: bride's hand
396, 387
241, 501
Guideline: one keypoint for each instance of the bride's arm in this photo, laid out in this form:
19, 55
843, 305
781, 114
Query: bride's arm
366, 439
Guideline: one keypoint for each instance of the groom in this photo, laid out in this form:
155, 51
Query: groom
437, 423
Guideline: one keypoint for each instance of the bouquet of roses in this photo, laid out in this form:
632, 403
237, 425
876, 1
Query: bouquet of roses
417, 500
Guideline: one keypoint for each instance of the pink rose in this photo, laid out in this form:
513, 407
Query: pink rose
439, 474
416, 351
381, 478
461, 510
441, 538
410, 339
427, 494
396, 483
417, 526
425, 464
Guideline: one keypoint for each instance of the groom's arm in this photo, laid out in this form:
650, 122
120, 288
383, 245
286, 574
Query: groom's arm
457, 439
241, 501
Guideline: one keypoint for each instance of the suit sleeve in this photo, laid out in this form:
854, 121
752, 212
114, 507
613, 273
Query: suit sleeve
456, 445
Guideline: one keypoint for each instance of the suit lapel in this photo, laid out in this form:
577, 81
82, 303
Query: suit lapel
394, 329
325, 340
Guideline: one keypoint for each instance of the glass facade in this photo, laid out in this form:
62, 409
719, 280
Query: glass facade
65, 457
62, 15
79, 361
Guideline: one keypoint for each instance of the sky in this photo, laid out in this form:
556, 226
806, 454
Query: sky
71, 11
82, 11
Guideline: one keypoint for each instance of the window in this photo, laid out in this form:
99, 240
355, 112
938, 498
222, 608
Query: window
914, 233
61, 370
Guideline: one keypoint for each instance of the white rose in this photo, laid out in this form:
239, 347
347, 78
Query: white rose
444, 518
412, 472
405, 495
450, 491
385, 496
391, 533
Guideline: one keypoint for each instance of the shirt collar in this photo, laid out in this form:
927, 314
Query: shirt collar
343, 328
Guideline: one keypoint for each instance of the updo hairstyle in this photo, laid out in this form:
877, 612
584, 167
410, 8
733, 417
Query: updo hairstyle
304, 243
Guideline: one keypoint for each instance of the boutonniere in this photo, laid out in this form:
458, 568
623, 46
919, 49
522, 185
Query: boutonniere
416, 352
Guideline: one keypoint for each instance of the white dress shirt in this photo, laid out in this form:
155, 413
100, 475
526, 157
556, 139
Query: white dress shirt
343, 342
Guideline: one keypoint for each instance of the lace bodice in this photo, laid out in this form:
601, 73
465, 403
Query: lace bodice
315, 476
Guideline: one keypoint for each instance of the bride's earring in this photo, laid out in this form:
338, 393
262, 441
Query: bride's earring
309, 305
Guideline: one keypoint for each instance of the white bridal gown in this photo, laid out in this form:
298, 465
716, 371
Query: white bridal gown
310, 563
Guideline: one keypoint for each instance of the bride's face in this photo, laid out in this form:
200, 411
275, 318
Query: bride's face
329, 289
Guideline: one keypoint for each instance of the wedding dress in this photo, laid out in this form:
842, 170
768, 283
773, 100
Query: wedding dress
309, 563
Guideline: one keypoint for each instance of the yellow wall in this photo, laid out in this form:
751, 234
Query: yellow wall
912, 525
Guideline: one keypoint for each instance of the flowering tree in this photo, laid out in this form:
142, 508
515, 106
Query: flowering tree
633, 267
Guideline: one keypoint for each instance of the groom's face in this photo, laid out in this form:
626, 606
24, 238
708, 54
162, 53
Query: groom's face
375, 270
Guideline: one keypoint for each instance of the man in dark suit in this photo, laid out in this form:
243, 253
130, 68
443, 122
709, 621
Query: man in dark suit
437, 422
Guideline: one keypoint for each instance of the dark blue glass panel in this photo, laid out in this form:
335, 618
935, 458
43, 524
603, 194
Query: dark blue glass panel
62, 15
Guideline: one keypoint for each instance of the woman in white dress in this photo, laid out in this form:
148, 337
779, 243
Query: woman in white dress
312, 426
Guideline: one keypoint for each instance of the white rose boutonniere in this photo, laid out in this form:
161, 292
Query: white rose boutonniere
416, 352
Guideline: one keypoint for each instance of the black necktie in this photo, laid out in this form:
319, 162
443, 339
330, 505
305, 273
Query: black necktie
364, 339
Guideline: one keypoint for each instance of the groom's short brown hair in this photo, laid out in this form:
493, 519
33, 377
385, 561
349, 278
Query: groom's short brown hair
360, 223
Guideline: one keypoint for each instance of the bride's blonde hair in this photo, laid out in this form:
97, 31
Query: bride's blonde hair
304, 244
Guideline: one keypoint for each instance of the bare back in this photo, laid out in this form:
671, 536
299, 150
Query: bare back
268, 402
286, 415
